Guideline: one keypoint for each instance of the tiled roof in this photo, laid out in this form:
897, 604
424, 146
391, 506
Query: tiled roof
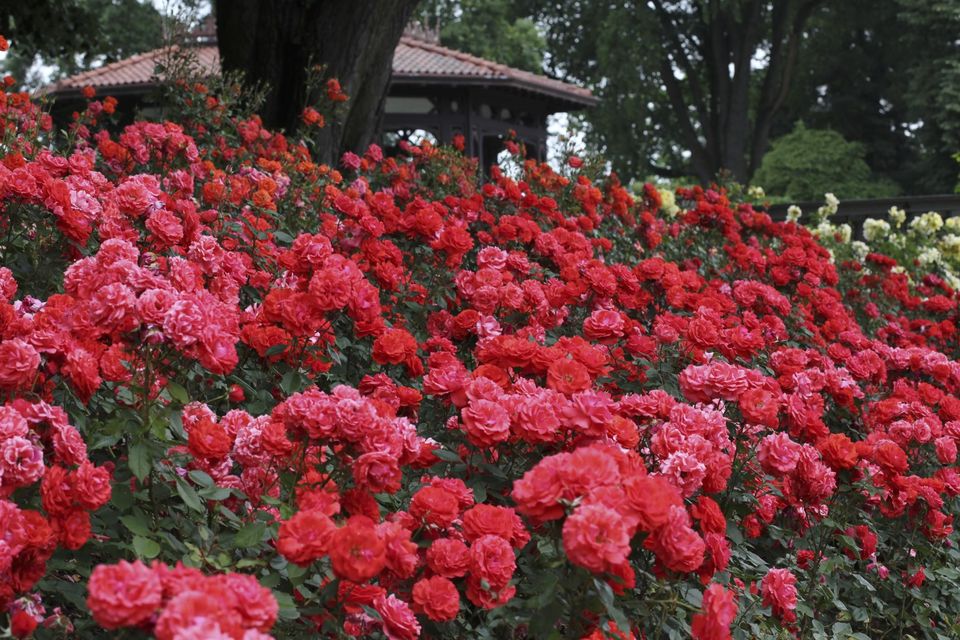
416, 59
138, 70
413, 61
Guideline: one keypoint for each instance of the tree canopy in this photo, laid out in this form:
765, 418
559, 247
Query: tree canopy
687, 87
68, 36
694, 88
492, 29
807, 163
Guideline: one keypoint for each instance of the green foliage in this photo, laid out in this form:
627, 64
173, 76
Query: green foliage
884, 74
807, 163
614, 48
491, 29
73, 35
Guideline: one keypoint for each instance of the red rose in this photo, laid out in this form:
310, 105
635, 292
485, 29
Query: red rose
568, 376
604, 325
18, 363
448, 558
759, 406
486, 423
838, 451
718, 610
780, 593
434, 506
492, 560
255, 605
539, 491
778, 454
91, 486
890, 457
437, 598
208, 440
212, 608
677, 545
485, 519
378, 472
711, 518
124, 594
305, 537
357, 551
596, 538
649, 500
394, 346
22, 624
399, 623
72, 529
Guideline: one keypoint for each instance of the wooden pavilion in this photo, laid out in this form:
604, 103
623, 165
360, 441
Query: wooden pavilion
435, 92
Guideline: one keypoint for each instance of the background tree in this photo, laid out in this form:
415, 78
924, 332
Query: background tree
807, 163
276, 41
886, 75
68, 36
497, 30
687, 87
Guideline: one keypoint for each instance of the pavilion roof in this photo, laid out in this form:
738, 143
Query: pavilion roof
415, 62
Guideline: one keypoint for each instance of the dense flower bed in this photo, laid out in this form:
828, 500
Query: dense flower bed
249, 396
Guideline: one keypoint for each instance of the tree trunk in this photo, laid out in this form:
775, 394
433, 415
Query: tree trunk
275, 41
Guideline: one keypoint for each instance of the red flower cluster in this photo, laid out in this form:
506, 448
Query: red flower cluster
40, 449
411, 396
180, 602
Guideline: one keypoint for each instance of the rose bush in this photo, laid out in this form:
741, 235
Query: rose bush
246, 395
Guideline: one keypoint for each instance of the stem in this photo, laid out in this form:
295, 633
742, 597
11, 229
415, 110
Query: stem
11, 217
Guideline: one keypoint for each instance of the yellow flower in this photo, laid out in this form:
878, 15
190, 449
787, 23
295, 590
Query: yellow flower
668, 202
927, 224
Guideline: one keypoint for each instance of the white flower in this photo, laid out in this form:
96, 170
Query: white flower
950, 245
929, 256
845, 231
756, 192
897, 216
793, 213
830, 207
874, 229
952, 280
824, 230
860, 249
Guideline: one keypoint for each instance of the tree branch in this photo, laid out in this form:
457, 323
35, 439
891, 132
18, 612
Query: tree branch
701, 159
682, 59
784, 49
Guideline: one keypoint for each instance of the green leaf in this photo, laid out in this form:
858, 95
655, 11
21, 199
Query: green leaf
608, 600
276, 349
145, 547
288, 608
139, 459
447, 456
214, 493
137, 524
201, 478
249, 535
189, 496
178, 393
291, 382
